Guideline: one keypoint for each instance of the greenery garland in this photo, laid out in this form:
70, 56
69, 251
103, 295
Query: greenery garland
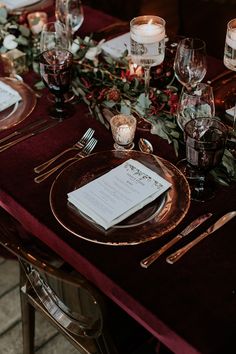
122, 91
112, 85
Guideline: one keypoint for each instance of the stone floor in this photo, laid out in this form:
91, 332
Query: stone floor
47, 339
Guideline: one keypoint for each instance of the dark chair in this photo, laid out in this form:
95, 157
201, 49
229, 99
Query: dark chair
66, 299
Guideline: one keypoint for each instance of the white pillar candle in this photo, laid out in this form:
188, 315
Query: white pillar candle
124, 134
148, 33
233, 34
231, 38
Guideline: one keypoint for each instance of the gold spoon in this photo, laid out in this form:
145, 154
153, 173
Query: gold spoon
145, 146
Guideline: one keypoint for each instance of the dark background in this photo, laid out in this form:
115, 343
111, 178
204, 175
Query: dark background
205, 19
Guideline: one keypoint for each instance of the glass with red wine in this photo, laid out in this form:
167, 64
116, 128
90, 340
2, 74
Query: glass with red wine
205, 143
55, 67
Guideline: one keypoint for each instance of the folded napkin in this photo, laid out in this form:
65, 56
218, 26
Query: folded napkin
230, 111
119, 193
8, 96
116, 46
15, 4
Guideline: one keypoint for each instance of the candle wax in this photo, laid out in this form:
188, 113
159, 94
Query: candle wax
148, 33
233, 34
124, 134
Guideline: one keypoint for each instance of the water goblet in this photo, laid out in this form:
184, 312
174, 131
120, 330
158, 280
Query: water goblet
230, 63
205, 143
190, 61
71, 14
195, 102
123, 131
54, 34
147, 34
55, 69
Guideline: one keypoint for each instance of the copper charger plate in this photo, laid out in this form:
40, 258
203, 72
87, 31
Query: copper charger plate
154, 220
21, 110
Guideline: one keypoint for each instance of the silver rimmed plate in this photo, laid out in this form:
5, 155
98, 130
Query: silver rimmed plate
154, 220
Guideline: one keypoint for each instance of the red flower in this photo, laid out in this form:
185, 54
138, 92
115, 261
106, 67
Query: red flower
113, 94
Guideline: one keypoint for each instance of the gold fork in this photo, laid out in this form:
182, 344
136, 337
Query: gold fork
86, 151
78, 145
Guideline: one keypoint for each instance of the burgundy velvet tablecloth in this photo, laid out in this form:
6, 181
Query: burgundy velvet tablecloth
191, 305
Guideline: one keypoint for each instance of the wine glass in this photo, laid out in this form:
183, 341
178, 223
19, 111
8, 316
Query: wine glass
123, 130
70, 13
55, 69
199, 102
205, 142
54, 34
230, 63
190, 62
147, 35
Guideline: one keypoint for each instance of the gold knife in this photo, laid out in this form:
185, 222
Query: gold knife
24, 137
219, 223
146, 262
218, 77
26, 128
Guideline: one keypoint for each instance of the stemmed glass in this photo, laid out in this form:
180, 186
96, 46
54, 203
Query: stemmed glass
199, 102
147, 35
190, 62
230, 63
71, 14
55, 69
54, 34
205, 142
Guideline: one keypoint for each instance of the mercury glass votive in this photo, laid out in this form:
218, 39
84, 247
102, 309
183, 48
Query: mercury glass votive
123, 130
36, 21
14, 62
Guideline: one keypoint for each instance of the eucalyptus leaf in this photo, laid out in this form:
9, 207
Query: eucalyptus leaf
24, 31
3, 13
124, 108
22, 41
39, 85
109, 104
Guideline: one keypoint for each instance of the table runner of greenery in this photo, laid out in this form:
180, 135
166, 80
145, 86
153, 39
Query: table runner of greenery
105, 83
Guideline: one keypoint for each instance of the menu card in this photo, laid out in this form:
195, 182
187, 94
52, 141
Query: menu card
119, 193
117, 46
8, 96
230, 111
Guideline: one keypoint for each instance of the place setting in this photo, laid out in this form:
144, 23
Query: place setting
196, 103
124, 92
17, 102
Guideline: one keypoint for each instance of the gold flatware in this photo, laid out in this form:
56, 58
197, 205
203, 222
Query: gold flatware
146, 262
224, 82
78, 145
220, 76
174, 257
25, 129
26, 136
85, 152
